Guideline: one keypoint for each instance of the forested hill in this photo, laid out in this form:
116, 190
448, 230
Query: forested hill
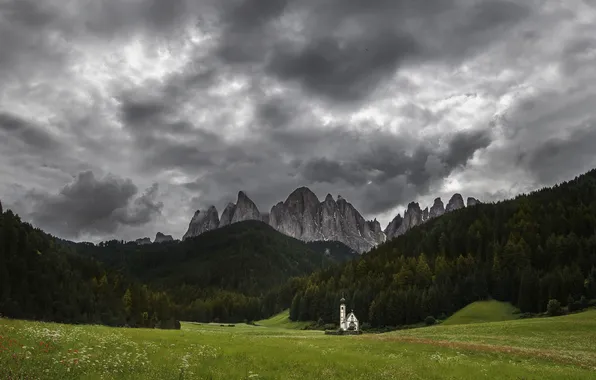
42, 278
220, 275
229, 274
248, 257
527, 250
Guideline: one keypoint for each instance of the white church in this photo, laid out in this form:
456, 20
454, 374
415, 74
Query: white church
349, 323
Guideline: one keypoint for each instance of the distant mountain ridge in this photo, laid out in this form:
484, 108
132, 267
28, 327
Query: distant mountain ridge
303, 216
414, 216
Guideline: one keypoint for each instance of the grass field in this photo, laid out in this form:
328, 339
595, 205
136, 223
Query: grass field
282, 320
544, 348
483, 311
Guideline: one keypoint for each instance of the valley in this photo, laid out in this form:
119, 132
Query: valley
543, 348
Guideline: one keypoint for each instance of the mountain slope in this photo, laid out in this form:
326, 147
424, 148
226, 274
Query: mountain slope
526, 251
248, 257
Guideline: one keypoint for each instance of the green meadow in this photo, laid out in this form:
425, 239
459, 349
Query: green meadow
282, 320
543, 348
483, 311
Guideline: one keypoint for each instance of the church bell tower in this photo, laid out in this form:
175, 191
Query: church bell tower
342, 314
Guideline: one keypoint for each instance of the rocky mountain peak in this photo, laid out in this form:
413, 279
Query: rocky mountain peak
393, 226
304, 217
143, 241
301, 200
413, 216
227, 214
245, 209
202, 221
455, 203
159, 238
472, 202
413, 206
437, 209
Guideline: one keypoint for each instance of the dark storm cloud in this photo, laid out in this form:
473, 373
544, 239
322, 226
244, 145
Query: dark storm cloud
345, 49
559, 159
265, 96
93, 206
343, 73
463, 146
23, 44
388, 165
28, 132
136, 112
324, 170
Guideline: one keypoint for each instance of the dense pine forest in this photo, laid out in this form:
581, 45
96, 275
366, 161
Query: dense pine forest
527, 251
44, 278
223, 274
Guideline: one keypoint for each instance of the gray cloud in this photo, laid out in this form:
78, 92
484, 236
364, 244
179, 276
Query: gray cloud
344, 50
390, 168
463, 146
382, 101
34, 136
93, 206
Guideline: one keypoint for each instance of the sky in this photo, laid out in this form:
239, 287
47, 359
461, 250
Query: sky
120, 118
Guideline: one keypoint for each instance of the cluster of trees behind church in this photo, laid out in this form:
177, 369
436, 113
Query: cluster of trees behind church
527, 251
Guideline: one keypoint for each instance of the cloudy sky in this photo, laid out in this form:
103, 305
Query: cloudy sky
120, 118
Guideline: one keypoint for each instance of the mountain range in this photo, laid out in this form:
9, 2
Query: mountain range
159, 238
303, 216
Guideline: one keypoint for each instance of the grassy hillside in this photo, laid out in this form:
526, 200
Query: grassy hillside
282, 320
545, 348
483, 311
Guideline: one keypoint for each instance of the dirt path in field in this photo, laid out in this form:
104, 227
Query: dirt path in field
581, 359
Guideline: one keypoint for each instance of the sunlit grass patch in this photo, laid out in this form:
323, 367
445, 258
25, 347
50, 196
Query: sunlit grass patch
483, 311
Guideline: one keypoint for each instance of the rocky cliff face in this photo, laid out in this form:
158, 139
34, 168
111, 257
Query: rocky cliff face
297, 216
202, 221
437, 209
143, 241
472, 201
245, 209
455, 203
393, 226
159, 238
413, 216
304, 217
227, 214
